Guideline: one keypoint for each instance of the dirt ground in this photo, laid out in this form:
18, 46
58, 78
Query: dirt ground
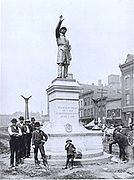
113, 169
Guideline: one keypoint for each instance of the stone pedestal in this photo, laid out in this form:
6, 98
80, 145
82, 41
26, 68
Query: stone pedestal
63, 98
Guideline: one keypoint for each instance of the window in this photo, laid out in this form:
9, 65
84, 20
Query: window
88, 112
91, 111
84, 112
127, 99
118, 113
127, 82
80, 114
85, 101
79, 104
104, 111
91, 100
88, 101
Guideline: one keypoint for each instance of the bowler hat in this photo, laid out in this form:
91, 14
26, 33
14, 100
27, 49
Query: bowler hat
63, 28
21, 118
32, 119
14, 120
37, 124
68, 140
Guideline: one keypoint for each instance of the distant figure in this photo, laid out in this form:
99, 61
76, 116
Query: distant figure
64, 55
38, 140
71, 150
32, 124
108, 132
14, 132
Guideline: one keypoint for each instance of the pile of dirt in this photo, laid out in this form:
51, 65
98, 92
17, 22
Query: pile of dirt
27, 171
3, 148
79, 175
4, 141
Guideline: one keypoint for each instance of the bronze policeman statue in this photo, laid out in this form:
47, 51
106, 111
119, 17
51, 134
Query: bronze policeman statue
64, 55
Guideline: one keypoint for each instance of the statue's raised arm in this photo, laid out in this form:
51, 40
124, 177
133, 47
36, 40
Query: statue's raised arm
57, 32
63, 56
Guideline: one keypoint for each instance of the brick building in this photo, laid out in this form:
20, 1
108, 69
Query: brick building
104, 94
127, 80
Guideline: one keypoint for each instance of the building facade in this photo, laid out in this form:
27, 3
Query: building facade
113, 110
127, 81
87, 108
88, 111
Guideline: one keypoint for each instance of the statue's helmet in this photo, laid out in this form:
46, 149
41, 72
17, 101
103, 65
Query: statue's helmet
63, 28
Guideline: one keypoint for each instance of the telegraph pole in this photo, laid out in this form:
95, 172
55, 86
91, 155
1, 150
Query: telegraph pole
101, 107
101, 91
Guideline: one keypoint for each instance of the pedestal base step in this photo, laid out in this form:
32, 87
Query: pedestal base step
85, 154
79, 162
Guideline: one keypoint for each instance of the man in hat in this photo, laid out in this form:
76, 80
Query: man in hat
32, 124
71, 150
14, 132
38, 140
27, 138
21, 142
64, 55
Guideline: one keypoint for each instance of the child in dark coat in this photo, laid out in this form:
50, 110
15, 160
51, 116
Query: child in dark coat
71, 150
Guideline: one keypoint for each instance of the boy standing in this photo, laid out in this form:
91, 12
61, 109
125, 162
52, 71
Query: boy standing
71, 150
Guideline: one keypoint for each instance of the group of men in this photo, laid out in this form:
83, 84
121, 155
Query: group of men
22, 135
25, 133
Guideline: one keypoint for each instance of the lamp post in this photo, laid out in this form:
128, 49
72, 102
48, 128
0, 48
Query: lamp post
96, 127
26, 106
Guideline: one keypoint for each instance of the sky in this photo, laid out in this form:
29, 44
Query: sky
100, 33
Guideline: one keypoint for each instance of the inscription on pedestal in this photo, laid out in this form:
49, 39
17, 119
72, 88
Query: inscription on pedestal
67, 111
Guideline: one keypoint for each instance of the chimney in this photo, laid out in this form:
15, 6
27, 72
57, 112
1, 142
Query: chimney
99, 83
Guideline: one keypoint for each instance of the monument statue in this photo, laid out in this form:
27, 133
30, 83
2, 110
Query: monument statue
26, 106
63, 111
64, 55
